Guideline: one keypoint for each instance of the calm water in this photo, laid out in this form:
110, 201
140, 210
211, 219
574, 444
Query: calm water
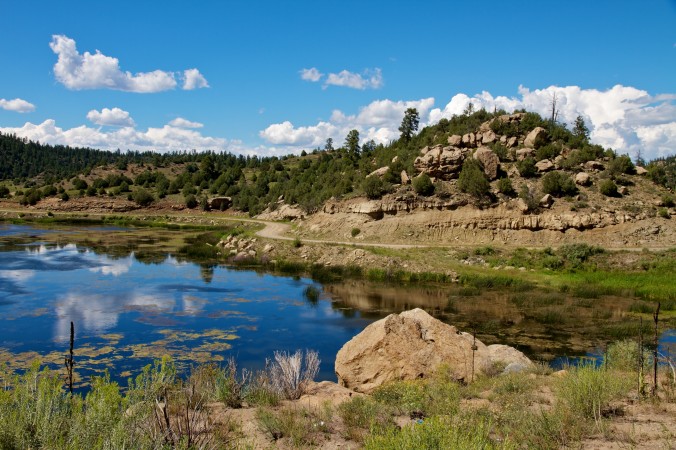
127, 312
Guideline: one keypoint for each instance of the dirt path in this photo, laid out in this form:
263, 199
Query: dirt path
279, 230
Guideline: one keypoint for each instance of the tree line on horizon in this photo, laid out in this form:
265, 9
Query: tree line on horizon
310, 179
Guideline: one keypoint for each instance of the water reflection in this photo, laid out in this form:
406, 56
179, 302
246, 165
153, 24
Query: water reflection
98, 313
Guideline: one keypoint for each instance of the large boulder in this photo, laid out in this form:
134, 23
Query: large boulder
582, 179
544, 166
220, 203
413, 345
489, 160
455, 140
488, 137
536, 138
524, 153
380, 172
441, 162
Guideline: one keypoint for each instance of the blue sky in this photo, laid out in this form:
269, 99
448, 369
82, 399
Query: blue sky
251, 67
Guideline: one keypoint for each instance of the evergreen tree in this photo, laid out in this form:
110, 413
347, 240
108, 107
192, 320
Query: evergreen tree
352, 143
409, 125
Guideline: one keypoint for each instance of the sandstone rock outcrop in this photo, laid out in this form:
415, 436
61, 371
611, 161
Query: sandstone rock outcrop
455, 140
489, 161
536, 138
220, 203
413, 345
440, 162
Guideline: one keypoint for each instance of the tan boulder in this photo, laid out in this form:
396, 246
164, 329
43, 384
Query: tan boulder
489, 160
506, 355
544, 166
511, 142
594, 165
469, 139
536, 138
582, 179
405, 179
641, 170
488, 137
455, 140
411, 345
524, 153
379, 172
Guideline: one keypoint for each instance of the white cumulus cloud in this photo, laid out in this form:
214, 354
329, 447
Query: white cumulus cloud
379, 121
180, 122
624, 118
311, 74
164, 139
115, 117
98, 71
17, 105
193, 79
369, 79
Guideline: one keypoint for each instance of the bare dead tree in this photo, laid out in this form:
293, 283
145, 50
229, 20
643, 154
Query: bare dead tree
69, 359
656, 318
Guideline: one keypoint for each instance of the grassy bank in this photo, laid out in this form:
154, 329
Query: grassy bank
208, 409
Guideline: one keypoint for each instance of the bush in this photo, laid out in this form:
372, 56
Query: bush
527, 168
472, 179
65, 197
667, 200
290, 374
530, 197
80, 184
621, 165
355, 232
423, 185
663, 213
91, 191
587, 391
4, 192
143, 197
374, 187
191, 201
558, 184
608, 188
505, 187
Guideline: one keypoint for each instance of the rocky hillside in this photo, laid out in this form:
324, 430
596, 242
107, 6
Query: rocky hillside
530, 190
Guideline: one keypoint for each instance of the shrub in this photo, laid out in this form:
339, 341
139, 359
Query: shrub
662, 212
143, 197
608, 188
558, 184
80, 184
549, 151
291, 373
527, 168
374, 187
472, 179
297, 242
190, 201
4, 192
530, 197
587, 391
230, 388
667, 200
505, 187
438, 433
355, 231
91, 191
621, 165
65, 197
48, 191
423, 185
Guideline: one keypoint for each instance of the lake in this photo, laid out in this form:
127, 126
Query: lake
134, 300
